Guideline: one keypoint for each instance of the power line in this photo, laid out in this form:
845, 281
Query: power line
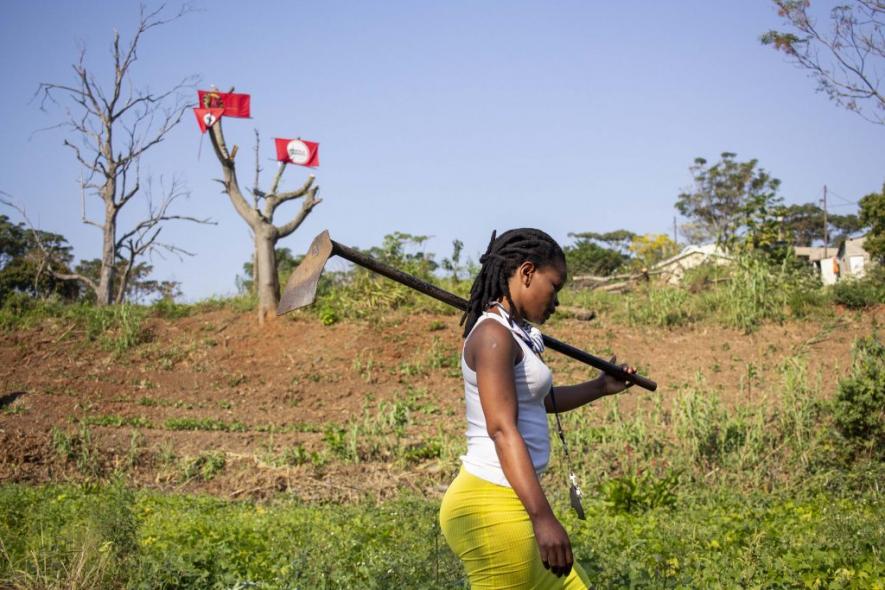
840, 197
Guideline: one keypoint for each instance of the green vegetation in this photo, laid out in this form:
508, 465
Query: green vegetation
776, 490
109, 537
209, 424
860, 403
862, 293
204, 466
744, 295
770, 492
116, 328
758, 287
872, 215
118, 421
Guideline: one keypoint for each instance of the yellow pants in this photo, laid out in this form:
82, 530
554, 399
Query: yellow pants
487, 526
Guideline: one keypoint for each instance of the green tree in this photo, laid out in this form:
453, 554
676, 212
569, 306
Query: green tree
803, 224
395, 251
872, 215
732, 203
24, 258
588, 255
618, 240
139, 287
843, 227
453, 264
649, 249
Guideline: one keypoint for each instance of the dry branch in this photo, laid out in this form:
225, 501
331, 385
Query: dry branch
111, 127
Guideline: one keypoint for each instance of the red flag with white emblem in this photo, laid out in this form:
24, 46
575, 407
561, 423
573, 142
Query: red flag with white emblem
207, 117
234, 104
298, 151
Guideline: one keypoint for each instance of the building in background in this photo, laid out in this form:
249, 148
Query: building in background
823, 259
835, 263
673, 269
853, 259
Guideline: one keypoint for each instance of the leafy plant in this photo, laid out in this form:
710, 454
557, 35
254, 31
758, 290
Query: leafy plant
861, 293
859, 407
635, 494
204, 466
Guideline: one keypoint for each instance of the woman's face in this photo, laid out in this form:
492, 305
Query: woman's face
534, 290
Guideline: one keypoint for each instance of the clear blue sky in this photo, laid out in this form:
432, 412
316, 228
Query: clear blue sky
446, 119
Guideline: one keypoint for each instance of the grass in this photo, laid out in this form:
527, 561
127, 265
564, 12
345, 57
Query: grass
770, 492
708, 537
116, 328
744, 296
204, 466
207, 424
777, 490
118, 421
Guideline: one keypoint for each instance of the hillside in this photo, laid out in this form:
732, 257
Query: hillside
211, 403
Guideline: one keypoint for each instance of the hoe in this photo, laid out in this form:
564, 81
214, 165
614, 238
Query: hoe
302, 287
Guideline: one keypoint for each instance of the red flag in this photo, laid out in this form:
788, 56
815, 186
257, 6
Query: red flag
206, 117
234, 105
298, 151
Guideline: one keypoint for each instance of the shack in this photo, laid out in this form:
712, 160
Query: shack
823, 259
853, 259
673, 269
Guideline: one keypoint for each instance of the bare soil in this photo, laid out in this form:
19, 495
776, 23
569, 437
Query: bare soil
282, 386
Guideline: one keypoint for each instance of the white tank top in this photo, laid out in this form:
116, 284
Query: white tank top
533, 381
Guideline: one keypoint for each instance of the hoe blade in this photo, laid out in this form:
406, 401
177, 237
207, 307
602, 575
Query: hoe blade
301, 290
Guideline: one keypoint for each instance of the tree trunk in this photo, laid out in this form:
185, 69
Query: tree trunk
254, 288
104, 294
266, 281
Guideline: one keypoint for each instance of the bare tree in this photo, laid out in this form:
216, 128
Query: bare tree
847, 59
112, 125
259, 217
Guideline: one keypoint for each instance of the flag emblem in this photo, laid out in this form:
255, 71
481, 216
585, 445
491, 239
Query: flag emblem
298, 151
207, 117
234, 104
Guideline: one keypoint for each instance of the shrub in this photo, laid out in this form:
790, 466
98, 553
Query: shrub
859, 407
862, 293
663, 307
760, 291
704, 276
204, 466
169, 309
78, 538
635, 494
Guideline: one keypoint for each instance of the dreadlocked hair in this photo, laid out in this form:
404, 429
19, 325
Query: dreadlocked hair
503, 256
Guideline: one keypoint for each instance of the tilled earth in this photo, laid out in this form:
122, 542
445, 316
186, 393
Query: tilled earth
214, 403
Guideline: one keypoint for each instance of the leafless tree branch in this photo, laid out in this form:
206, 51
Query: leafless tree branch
847, 60
115, 124
265, 233
306, 207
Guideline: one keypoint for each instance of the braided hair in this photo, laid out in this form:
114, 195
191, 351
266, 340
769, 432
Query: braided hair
503, 256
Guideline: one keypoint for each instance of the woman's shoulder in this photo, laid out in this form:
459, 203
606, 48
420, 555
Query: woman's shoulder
490, 338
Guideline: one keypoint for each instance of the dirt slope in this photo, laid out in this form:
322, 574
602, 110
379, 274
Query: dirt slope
253, 394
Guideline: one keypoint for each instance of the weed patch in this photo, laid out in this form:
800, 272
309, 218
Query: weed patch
208, 424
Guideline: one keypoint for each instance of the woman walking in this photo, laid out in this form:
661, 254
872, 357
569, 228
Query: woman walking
495, 515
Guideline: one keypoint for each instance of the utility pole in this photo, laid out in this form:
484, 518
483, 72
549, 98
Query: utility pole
675, 240
826, 237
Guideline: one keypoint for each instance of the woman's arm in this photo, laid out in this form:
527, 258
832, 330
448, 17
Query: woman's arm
569, 397
493, 352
